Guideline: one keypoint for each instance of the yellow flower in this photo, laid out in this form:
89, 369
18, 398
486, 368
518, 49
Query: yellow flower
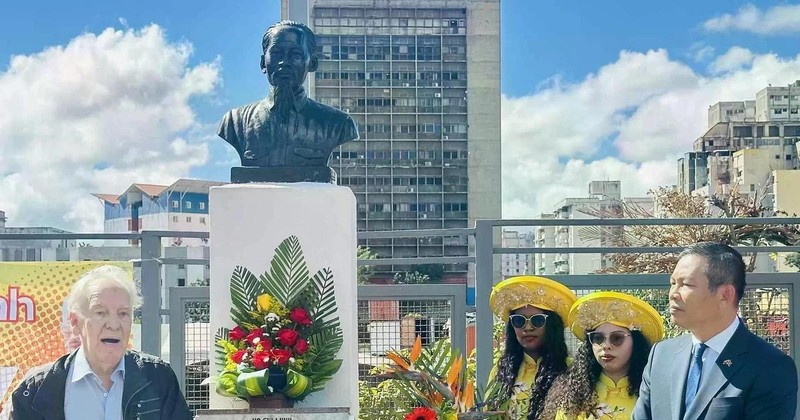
451, 416
265, 302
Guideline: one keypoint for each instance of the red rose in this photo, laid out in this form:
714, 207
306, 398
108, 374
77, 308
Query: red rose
300, 316
421, 413
237, 357
266, 344
261, 360
255, 334
281, 356
287, 337
237, 333
301, 346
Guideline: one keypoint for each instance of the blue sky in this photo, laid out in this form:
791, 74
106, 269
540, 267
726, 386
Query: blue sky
594, 78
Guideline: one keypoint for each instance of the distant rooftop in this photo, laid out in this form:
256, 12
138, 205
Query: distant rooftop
153, 190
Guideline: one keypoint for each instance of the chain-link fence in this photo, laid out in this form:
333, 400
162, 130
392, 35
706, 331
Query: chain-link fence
190, 342
196, 353
393, 325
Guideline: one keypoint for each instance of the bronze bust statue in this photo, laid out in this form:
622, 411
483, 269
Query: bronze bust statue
287, 136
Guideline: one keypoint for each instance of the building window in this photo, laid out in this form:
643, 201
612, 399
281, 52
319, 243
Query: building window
202, 205
181, 282
175, 204
175, 219
188, 204
181, 266
188, 219
202, 220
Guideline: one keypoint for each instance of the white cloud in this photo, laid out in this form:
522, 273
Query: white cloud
629, 122
781, 19
96, 115
568, 120
734, 59
123, 22
701, 52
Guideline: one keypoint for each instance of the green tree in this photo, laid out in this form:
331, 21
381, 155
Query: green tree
365, 272
411, 277
198, 311
794, 260
435, 272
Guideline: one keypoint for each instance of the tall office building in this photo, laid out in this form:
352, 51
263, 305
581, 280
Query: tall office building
422, 80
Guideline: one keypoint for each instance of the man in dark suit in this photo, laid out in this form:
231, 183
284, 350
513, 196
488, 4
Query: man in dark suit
721, 370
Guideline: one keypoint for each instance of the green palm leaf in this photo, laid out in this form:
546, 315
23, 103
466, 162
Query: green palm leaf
222, 333
325, 306
321, 358
288, 273
244, 287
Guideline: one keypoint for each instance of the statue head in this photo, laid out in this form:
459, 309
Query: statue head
289, 53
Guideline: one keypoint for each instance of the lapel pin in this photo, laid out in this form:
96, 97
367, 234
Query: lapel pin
727, 362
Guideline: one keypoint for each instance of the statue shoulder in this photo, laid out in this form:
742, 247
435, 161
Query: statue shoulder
329, 112
246, 112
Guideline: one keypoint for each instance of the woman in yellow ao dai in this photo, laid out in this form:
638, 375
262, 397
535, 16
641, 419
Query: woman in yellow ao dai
535, 351
616, 332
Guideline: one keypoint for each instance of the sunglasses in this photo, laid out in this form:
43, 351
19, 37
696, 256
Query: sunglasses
616, 338
537, 321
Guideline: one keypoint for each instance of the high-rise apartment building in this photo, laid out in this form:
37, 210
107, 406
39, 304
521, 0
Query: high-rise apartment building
744, 143
517, 264
422, 80
779, 103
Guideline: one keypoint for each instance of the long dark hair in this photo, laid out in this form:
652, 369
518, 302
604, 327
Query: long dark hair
553, 362
574, 393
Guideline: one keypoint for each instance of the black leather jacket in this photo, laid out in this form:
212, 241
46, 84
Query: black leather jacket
150, 391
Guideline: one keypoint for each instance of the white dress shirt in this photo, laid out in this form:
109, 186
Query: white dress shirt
86, 398
715, 345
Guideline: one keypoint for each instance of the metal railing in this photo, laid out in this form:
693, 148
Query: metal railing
486, 249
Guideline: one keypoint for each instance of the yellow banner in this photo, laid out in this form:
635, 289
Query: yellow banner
34, 323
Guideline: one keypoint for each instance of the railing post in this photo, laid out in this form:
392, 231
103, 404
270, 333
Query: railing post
484, 257
458, 321
151, 293
177, 335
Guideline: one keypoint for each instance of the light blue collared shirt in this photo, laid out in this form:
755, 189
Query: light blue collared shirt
715, 345
85, 397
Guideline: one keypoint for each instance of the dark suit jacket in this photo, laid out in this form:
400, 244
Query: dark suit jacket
750, 380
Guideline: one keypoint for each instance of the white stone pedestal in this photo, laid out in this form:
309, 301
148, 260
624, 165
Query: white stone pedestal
275, 414
248, 221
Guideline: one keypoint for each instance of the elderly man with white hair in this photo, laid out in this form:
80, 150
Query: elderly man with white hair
102, 379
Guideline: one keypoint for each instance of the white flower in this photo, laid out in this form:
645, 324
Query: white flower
275, 329
256, 340
291, 360
272, 317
